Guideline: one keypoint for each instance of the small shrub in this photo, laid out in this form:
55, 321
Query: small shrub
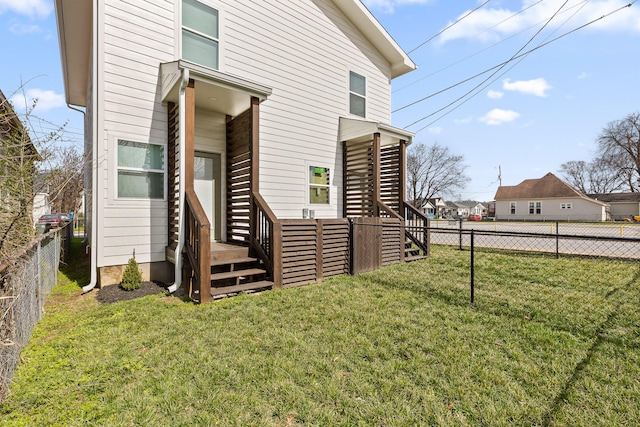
132, 276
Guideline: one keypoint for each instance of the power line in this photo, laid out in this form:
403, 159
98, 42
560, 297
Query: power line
447, 27
513, 58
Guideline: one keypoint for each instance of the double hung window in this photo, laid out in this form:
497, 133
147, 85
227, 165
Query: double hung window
319, 185
140, 170
200, 33
357, 94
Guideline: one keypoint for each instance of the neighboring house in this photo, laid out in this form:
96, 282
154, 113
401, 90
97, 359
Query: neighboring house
41, 202
457, 210
429, 209
621, 205
547, 199
17, 174
439, 206
479, 209
229, 122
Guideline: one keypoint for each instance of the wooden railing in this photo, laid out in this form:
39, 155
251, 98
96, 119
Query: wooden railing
416, 227
393, 234
264, 235
197, 248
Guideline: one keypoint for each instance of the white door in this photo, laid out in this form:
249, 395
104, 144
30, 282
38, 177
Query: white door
208, 188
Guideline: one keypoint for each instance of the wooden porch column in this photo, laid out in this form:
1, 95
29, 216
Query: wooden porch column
402, 190
255, 145
376, 174
190, 129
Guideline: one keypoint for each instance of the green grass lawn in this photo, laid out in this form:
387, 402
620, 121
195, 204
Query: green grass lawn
548, 342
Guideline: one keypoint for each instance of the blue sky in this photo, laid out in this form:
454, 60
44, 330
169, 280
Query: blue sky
527, 118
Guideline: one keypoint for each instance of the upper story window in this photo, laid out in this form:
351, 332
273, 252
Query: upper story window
357, 94
513, 208
200, 32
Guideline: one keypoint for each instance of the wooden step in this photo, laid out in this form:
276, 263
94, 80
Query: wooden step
242, 260
237, 273
414, 258
252, 286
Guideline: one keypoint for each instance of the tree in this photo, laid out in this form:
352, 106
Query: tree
433, 170
619, 148
65, 180
596, 177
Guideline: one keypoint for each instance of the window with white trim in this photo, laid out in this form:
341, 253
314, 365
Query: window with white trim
357, 94
319, 185
200, 33
513, 208
141, 170
565, 205
535, 208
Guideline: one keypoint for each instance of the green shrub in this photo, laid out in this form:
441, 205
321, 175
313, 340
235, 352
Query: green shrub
132, 276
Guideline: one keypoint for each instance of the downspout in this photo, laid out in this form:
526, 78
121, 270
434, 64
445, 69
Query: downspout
94, 156
181, 192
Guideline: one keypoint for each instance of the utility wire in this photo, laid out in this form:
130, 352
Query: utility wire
447, 27
513, 58
494, 73
522, 57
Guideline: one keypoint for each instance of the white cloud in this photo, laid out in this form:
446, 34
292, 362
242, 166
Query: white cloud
496, 117
494, 94
46, 100
388, 6
493, 24
583, 75
537, 87
32, 8
20, 28
437, 130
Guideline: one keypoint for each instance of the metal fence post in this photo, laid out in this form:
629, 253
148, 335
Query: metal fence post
460, 234
557, 240
472, 269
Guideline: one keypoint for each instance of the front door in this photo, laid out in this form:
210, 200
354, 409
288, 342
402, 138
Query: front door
208, 188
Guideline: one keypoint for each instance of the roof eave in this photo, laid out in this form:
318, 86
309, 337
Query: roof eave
74, 24
369, 26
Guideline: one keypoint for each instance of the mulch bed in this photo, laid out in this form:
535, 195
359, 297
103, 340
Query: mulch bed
114, 293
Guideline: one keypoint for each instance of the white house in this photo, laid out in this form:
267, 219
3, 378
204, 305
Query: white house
547, 199
231, 116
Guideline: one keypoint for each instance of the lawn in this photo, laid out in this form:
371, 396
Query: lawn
547, 342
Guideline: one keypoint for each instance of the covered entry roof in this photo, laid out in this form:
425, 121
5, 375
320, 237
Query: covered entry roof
215, 91
362, 130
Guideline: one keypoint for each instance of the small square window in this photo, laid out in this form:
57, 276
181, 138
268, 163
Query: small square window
140, 170
319, 185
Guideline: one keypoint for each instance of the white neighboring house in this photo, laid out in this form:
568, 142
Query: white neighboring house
479, 209
547, 199
172, 87
41, 202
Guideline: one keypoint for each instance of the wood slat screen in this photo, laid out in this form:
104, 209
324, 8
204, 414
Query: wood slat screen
359, 180
335, 247
392, 241
239, 177
299, 252
390, 176
173, 171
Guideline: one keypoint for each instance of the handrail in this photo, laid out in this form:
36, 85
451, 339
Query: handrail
417, 226
262, 235
388, 211
197, 245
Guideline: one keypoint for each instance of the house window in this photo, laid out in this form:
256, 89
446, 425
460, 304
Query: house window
513, 208
565, 205
200, 28
357, 94
535, 208
319, 185
140, 170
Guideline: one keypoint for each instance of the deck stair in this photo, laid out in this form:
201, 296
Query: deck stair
411, 253
234, 271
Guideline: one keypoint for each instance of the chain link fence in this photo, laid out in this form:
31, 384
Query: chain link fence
26, 280
610, 240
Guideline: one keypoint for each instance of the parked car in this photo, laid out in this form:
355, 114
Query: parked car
475, 217
53, 220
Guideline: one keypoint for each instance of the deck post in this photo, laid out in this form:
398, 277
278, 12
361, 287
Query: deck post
376, 174
402, 192
190, 126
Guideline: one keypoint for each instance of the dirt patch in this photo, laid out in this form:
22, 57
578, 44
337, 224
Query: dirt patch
114, 293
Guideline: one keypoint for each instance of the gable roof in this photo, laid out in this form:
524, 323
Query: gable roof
617, 197
75, 22
10, 122
549, 186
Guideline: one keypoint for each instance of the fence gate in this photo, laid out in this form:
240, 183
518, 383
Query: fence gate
367, 244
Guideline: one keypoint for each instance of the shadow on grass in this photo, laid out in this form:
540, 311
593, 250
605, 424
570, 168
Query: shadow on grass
77, 264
